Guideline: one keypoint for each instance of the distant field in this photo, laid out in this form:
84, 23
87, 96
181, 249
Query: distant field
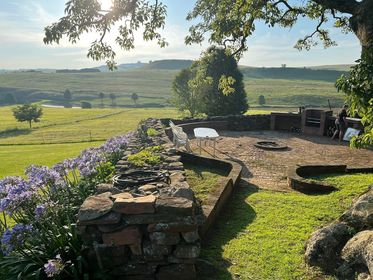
14, 159
154, 88
75, 125
63, 126
279, 92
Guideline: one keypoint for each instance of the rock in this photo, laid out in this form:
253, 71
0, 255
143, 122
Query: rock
177, 271
173, 259
111, 256
325, 244
360, 214
137, 205
187, 251
111, 228
136, 249
127, 236
164, 238
102, 188
148, 188
185, 226
175, 166
151, 249
359, 250
206, 270
174, 206
134, 269
94, 207
191, 236
179, 189
170, 159
177, 177
111, 218
142, 219
123, 195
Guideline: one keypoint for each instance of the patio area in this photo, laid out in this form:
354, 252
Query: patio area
267, 169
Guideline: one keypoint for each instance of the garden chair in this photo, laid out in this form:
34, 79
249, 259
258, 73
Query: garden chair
180, 138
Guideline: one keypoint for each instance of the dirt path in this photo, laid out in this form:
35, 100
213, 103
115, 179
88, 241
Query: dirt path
267, 169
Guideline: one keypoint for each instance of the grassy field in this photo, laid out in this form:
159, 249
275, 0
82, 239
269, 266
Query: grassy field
15, 159
74, 125
261, 234
279, 92
63, 133
154, 88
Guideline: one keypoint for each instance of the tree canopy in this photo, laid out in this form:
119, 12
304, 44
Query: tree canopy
28, 112
226, 23
212, 85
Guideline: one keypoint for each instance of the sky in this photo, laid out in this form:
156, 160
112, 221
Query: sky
22, 23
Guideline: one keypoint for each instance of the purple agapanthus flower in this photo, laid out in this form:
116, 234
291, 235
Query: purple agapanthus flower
14, 238
54, 266
13, 192
42, 176
64, 167
40, 210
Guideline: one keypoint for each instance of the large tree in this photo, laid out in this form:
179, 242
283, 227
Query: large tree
28, 113
185, 98
227, 23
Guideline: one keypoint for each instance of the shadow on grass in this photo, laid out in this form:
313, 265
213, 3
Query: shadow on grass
235, 218
12, 132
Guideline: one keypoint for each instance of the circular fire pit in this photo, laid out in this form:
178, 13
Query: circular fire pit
139, 177
270, 145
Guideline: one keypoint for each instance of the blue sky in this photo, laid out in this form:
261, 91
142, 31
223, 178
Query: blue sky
22, 23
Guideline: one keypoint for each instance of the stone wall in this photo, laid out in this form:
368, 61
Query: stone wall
235, 123
144, 228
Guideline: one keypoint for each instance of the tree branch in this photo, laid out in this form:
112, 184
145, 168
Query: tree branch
344, 6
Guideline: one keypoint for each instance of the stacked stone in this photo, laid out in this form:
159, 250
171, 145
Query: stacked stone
145, 231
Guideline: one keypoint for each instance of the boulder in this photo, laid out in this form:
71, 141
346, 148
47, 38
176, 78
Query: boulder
360, 214
102, 188
358, 252
94, 207
325, 244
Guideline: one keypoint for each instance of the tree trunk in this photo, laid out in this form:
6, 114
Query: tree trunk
362, 24
30, 123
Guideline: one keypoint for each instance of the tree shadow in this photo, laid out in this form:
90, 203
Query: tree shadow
12, 132
235, 217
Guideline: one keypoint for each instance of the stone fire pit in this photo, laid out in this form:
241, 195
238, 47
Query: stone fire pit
270, 145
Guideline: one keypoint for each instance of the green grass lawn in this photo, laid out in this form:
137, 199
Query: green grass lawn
261, 234
60, 125
14, 159
71, 128
202, 179
295, 93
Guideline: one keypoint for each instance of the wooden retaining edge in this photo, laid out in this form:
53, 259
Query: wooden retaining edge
222, 191
296, 180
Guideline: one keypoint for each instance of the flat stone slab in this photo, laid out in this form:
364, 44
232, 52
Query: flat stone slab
127, 236
175, 206
94, 207
137, 205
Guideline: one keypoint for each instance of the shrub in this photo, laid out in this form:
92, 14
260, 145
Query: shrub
86, 105
151, 132
43, 206
148, 156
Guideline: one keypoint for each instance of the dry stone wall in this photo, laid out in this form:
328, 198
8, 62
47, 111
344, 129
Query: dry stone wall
144, 225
